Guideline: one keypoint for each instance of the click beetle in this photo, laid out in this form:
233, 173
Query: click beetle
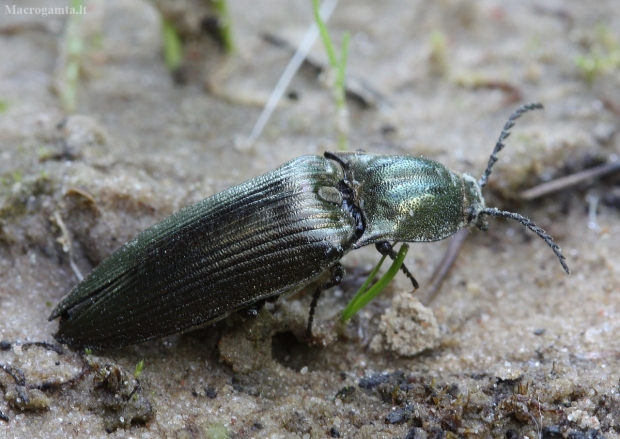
269, 236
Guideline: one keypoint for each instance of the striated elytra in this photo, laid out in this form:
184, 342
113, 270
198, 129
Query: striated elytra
269, 236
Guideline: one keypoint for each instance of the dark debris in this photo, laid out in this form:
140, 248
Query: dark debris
121, 396
510, 409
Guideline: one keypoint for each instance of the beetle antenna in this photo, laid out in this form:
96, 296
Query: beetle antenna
504, 134
533, 227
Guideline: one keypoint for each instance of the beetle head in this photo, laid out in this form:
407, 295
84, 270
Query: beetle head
474, 204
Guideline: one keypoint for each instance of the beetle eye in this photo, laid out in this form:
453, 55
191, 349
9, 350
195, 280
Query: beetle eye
474, 217
471, 214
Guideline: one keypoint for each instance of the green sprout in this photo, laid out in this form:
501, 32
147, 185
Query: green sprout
439, 53
221, 7
217, 431
603, 56
73, 49
173, 47
139, 368
338, 66
365, 294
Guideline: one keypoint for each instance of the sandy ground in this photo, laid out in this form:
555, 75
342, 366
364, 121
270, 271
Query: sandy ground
524, 350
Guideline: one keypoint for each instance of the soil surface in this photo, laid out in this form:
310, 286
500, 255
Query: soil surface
520, 349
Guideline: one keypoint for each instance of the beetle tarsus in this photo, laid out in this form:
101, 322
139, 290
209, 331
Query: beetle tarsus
386, 249
337, 273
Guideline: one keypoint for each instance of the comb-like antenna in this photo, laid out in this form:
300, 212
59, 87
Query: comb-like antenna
504, 134
533, 227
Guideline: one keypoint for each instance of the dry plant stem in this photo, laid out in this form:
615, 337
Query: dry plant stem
67, 247
289, 72
612, 106
569, 181
442, 270
512, 92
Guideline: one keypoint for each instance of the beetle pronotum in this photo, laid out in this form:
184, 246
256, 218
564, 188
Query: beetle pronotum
269, 236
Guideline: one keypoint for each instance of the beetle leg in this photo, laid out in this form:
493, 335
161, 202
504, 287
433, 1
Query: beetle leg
337, 273
386, 249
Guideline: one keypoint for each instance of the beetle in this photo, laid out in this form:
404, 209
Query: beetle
270, 236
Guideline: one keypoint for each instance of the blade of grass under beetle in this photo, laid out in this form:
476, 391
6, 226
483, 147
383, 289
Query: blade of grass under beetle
368, 280
364, 296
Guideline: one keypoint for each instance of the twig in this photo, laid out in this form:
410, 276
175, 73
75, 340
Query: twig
17, 374
568, 181
43, 344
611, 105
449, 257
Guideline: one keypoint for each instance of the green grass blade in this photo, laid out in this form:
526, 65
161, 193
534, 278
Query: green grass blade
173, 47
327, 41
363, 297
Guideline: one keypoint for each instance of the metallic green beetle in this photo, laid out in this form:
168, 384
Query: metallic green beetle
269, 236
